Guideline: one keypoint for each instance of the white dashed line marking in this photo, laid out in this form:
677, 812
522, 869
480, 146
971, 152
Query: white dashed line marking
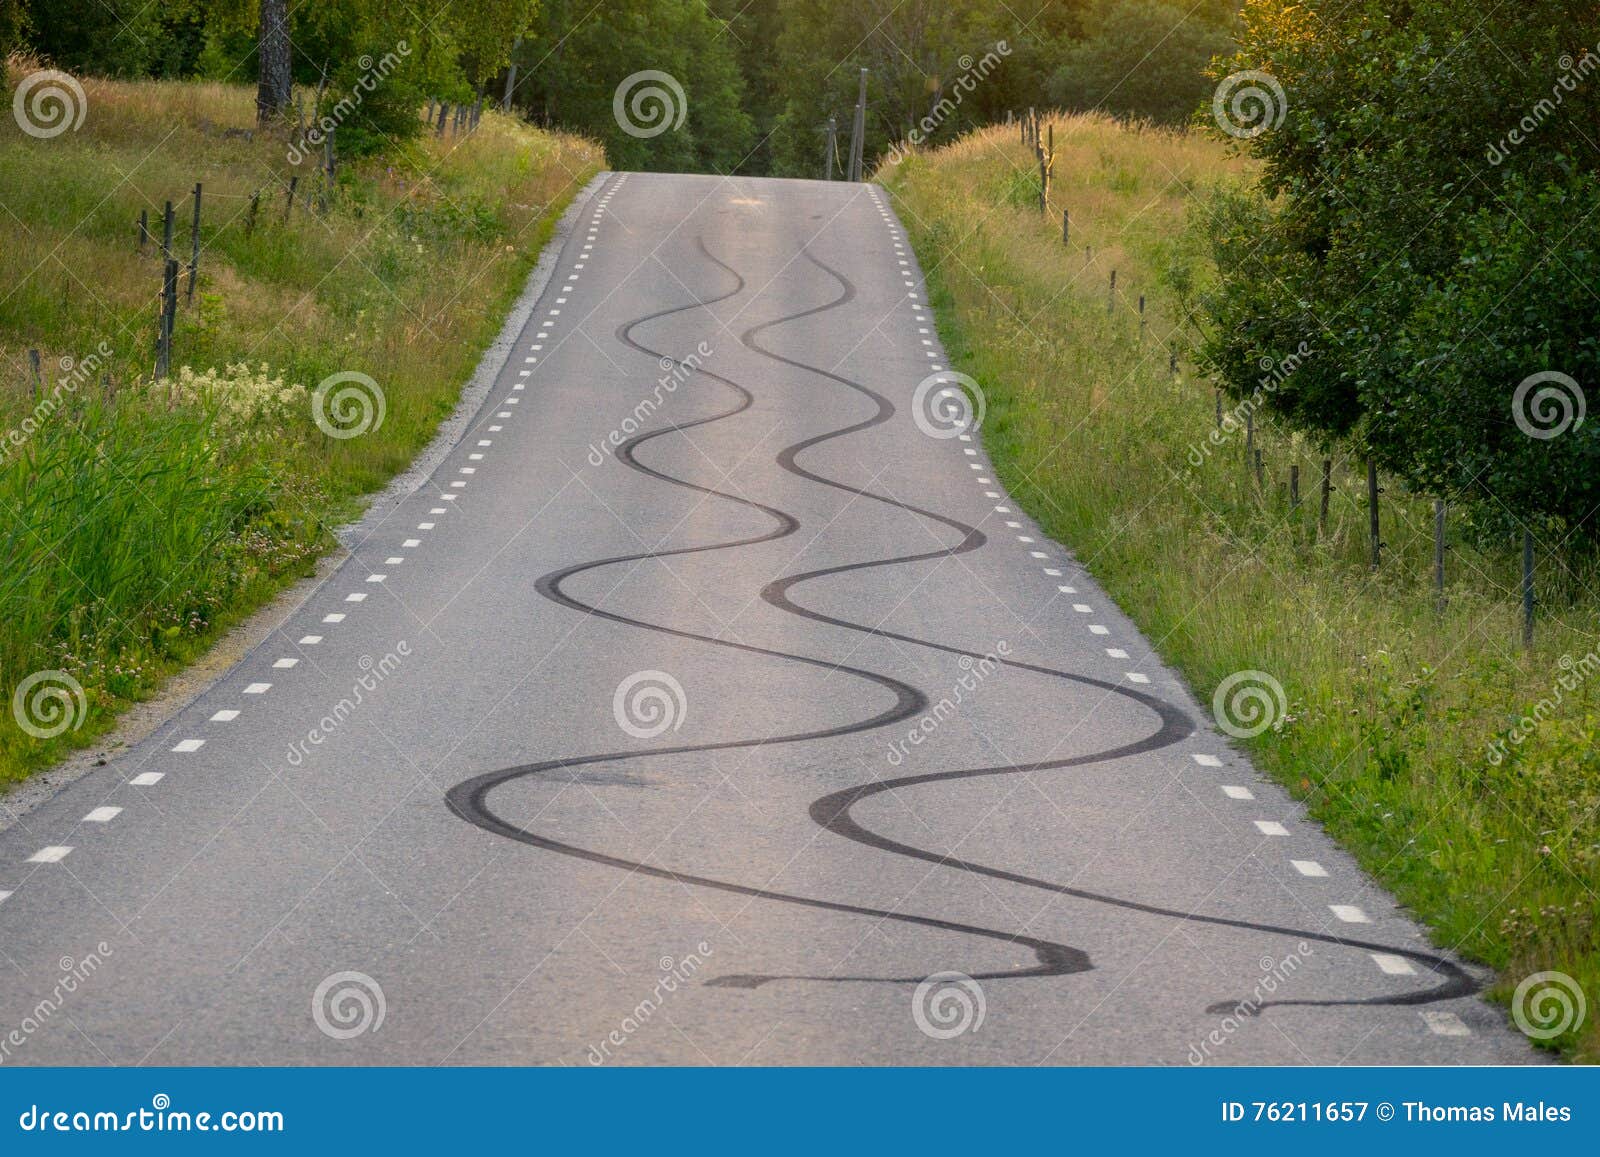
1309, 868
188, 745
1068, 590
396, 560
1097, 629
147, 778
258, 688
410, 542
336, 617
1136, 677
227, 715
1271, 828
1116, 652
1082, 608
1349, 913
1393, 965
102, 815
54, 854
1234, 791
285, 664
310, 640
1206, 760
1444, 1023
355, 597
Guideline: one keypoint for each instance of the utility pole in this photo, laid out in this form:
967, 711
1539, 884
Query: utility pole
858, 131
833, 148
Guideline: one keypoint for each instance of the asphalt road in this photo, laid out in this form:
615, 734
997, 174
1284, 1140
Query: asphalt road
599, 748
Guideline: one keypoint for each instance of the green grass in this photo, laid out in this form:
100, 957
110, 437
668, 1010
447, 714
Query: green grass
138, 519
1392, 704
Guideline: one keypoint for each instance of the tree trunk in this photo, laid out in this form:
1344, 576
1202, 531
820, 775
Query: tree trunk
273, 92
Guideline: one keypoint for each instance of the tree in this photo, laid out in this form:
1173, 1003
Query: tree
274, 76
1426, 227
1142, 58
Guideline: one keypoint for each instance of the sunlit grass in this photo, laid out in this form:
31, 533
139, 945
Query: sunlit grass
1393, 703
133, 528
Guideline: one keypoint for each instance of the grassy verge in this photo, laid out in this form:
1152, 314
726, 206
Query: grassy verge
1391, 707
138, 519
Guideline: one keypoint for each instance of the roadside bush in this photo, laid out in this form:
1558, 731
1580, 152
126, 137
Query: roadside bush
1425, 187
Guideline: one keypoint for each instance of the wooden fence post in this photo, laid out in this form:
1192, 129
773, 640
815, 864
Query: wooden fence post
1438, 553
144, 230
1066, 228
1527, 588
38, 373
1327, 490
250, 217
194, 245
288, 201
1372, 513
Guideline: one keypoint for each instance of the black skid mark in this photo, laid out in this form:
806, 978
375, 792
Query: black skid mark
469, 801
833, 811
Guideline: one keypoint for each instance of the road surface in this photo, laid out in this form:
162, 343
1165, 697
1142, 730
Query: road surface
710, 703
